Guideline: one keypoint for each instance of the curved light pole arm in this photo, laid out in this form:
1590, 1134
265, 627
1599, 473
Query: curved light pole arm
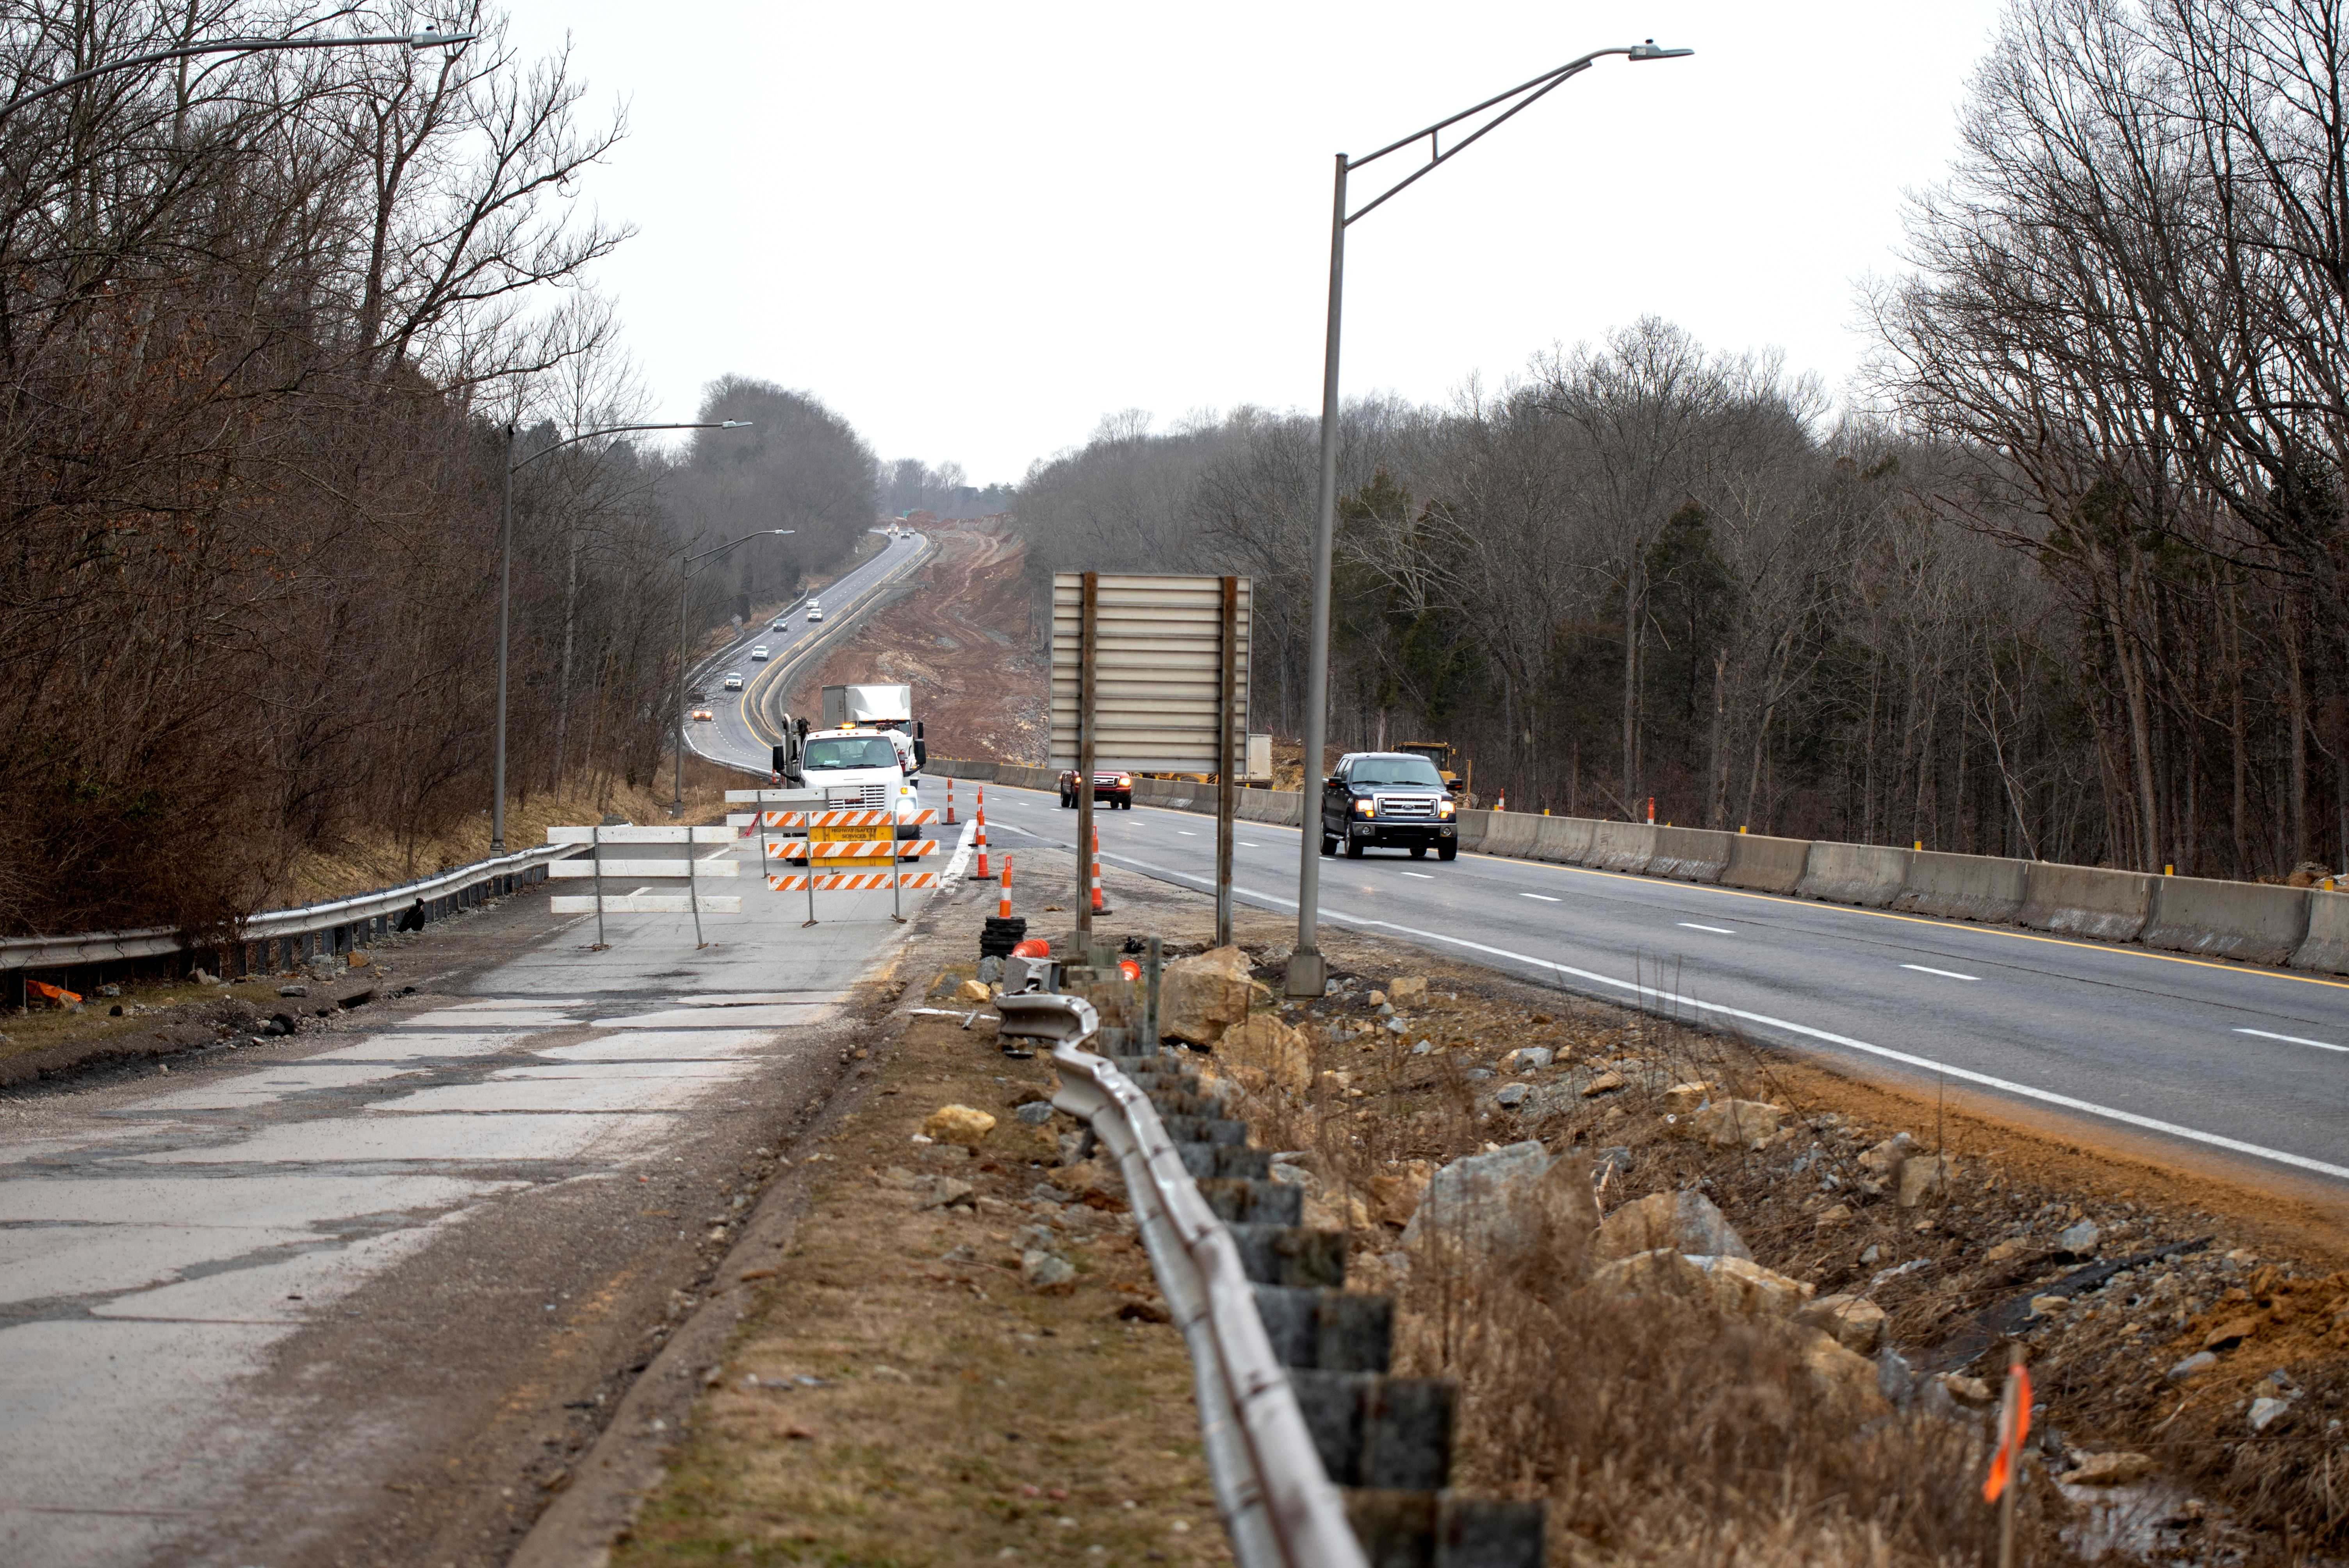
619, 429
230, 46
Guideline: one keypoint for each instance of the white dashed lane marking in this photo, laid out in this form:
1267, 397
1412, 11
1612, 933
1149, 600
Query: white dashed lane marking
2294, 1040
1944, 974
1716, 930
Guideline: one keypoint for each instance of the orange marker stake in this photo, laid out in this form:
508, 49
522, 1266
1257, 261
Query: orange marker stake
1096, 877
982, 836
951, 816
1003, 907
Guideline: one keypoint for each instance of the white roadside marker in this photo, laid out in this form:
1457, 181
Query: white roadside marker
1543, 896
1187, 832
2294, 1040
1716, 930
1944, 974
1421, 875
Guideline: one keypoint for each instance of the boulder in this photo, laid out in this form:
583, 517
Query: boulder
973, 991
1743, 1288
2230, 1333
1047, 1274
1685, 1097
1659, 1271
1405, 989
2081, 1240
1527, 1060
2201, 1361
1035, 1113
2005, 1249
1885, 1160
1853, 1322
941, 1192
1395, 1196
1201, 997
1923, 1177
2120, 1468
1085, 1176
1733, 1124
1845, 1379
1484, 1201
1678, 1222
1605, 1083
2264, 1411
1263, 1050
958, 1124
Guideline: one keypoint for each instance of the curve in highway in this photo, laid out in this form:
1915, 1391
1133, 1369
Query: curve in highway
2244, 1060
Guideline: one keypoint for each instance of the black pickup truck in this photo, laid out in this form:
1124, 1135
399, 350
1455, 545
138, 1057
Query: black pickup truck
1388, 799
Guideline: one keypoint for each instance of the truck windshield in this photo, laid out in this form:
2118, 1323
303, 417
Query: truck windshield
858, 751
1396, 770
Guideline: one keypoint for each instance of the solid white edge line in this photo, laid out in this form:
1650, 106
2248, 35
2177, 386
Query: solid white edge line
1648, 996
2294, 1040
1945, 974
961, 859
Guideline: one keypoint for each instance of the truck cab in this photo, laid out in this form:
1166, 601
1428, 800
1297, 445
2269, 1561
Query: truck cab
868, 756
1388, 799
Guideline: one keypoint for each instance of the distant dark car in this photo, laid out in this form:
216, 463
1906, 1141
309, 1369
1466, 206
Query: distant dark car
1388, 799
1117, 788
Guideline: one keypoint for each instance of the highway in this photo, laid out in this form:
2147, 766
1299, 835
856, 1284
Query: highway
745, 726
2242, 1061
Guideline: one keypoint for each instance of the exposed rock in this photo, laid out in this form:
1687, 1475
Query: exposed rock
1485, 1200
940, 1193
198, 976
1074, 1148
2264, 1411
1895, 1378
1395, 1196
973, 991
1685, 1097
1659, 1271
1084, 1177
1847, 1381
2201, 1361
1047, 1273
1512, 1096
1567, 1198
1378, 999
1885, 1160
1201, 997
1680, 1222
1971, 1392
358, 959
1924, 1177
1264, 1050
293, 990
1853, 1322
1405, 989
1035, 1113
1744, 1288
2120, 1468
1732, 1123
958, 1124
2230, 1333
2005, 1249
2049, 1306
2081, 1240
1527, 1060
1605, 1083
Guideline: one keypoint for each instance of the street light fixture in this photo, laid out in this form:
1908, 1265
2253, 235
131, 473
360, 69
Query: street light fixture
505, 584
684, 581
412, 41
1308, 973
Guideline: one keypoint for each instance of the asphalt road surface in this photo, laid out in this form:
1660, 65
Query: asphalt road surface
313, 1301
745, 726
2245, 1062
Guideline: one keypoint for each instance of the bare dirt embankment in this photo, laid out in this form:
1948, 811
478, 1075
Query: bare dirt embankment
965, 636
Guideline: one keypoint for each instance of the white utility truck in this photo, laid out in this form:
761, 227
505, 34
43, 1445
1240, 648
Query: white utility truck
868, 754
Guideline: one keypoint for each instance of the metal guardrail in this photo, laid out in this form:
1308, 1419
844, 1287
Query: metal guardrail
156, 941
1280, 1507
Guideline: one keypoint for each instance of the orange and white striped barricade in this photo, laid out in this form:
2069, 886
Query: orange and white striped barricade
846, 838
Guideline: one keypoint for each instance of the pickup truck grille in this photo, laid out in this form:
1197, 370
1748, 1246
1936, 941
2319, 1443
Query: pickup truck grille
870, 797
1406, 807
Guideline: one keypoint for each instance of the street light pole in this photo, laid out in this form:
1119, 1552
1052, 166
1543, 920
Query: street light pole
685, 581
1309, 972
505, 585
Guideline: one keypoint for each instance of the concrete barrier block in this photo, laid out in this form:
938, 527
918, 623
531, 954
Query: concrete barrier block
2326, 946
1765, 864
1621, 846
2250, 921
1868, 875
1565, 840
1963, 887
1691, 854
2085, 900
1511, 833
1471, 827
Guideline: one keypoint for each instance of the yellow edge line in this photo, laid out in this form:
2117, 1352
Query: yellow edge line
2114, 949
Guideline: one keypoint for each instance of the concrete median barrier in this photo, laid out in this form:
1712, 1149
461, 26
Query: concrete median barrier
1282, 808
1691, 854
2085, 900
1963, 887
1765, 864
1565, 840
1621, 846
2250, 921
1868, 875
1472, 825
1510, 833
2326, 946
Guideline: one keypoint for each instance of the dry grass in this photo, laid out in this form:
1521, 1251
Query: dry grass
960, 1414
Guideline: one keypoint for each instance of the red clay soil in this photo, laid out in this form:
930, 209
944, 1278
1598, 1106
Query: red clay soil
968, 638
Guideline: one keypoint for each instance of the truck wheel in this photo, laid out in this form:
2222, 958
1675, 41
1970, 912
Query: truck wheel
1355, 848
1448, 852
1328, 845
1419, 852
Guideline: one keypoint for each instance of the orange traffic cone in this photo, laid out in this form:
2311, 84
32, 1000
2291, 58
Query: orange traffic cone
951, 816
1098, 908
982, 835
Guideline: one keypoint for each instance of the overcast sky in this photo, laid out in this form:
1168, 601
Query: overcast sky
975, 229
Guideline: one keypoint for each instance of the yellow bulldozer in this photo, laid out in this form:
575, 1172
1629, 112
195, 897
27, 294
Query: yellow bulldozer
1440, 753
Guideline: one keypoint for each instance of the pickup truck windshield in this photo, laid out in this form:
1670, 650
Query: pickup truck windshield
1396, 770
861, 751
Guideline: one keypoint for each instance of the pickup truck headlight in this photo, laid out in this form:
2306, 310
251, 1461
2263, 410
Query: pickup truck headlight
1365, 807
1443, 808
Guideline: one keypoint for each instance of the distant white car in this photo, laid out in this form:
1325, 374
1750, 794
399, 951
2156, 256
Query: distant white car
778, 625
733, 681
815, 614
760, 651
